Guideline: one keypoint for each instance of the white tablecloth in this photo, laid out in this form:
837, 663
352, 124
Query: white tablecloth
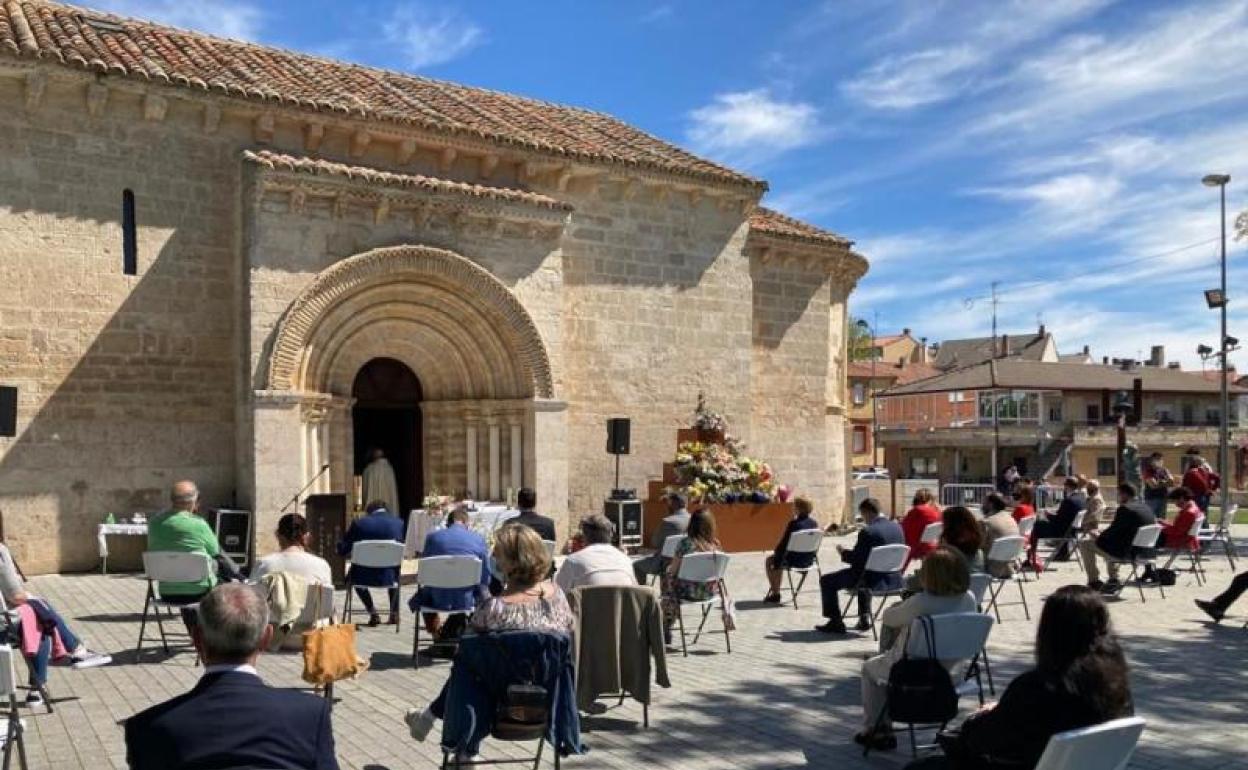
420, 523
117, 529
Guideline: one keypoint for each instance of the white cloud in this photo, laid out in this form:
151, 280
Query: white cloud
914, 79
752, 125
234, 19
656, 14
426, 36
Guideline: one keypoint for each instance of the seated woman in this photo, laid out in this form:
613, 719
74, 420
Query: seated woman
528, 602
1024, 502
1080, 679
945, 582
699, 538
922, 513
997, 523
37, 614
292, 555
1175, 534
781, 558
962, 532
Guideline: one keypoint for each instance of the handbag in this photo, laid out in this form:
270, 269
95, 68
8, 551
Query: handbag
329, 652
920, 690
522, 706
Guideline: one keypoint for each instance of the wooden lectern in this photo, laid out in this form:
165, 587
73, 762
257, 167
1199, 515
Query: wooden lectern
327, 523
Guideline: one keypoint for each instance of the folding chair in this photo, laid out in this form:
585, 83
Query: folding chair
807, 541
980, 583
15, 734
1193, 554
550, 547
959, 636
374, 553
931, 533
623, 633
318, 609
12, 636
169, 567
1221, 534
460, 572
1007, 550
883, 559
703, 567
668, 551
1070, 539
1146, 541
1106, 746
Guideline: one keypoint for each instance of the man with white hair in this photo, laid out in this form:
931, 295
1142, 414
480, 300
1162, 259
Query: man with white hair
180, 529
232, 718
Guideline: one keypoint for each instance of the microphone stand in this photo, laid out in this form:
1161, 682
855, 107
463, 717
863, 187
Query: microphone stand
299, 494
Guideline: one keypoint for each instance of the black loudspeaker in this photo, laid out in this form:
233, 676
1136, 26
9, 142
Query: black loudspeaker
8, 412
626, 516
234, 530
617, 435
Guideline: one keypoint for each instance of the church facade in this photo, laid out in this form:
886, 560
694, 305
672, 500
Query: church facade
241, 265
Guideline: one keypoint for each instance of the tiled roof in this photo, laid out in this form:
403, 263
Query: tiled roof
900, 374
281, 162
975, 350
769, 222
112, 45
1042, 375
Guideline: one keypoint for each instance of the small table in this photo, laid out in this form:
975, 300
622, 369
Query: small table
105, 530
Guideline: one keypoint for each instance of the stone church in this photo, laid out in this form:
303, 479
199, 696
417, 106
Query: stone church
238, 264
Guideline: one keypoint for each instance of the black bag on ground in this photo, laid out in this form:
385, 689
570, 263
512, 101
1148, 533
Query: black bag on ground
920, 690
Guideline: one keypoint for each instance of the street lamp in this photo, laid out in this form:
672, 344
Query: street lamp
875, 426
1122, 408
1220, 181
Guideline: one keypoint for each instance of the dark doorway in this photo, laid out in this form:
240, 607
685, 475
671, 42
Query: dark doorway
387, 417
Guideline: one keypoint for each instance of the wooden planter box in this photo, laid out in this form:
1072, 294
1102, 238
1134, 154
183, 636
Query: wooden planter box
741, 526
685, 435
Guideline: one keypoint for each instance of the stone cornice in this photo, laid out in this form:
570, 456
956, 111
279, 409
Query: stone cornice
843, 263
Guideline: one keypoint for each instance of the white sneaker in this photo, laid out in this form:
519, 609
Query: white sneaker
419, 722
34, 699
84, 658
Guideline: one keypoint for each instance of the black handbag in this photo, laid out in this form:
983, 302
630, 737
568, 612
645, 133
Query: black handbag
920, 690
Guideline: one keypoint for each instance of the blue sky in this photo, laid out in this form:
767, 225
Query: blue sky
1056, 146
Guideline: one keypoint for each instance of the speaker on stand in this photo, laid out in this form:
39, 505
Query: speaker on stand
618, 429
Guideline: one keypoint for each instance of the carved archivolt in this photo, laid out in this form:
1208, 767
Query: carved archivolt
357, 279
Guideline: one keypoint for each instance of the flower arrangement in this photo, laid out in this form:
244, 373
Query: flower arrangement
436, 502
705, 419
721, 473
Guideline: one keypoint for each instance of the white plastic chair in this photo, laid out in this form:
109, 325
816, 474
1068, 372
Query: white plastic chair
806, 541
453, 572
960, 636
1146, 540
703, 567
169, 567
980, 583
1221, 534
374, 553
667, 553
931, 533
1197, 567
15, 735
550, 547
884, 559
1007, 550
1107, 746
1026, 525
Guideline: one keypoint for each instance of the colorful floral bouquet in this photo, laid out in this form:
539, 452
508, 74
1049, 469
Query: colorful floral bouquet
705, 419
721, 473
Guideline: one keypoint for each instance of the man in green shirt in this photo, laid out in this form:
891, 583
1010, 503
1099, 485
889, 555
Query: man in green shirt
179, 529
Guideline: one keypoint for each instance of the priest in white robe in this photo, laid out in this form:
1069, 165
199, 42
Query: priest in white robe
379, 483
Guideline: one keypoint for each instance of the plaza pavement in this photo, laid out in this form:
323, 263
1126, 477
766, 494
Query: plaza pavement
786, 698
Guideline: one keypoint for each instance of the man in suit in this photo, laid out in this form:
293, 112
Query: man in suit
378, 524
231, 718
544, 526
1059, 523
675, 523
878, 531
455, 540
1115, 542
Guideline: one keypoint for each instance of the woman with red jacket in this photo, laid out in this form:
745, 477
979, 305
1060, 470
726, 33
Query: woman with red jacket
1175, 534
923, 512
1024, 502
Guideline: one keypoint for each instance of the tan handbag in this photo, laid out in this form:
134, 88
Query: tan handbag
329, 653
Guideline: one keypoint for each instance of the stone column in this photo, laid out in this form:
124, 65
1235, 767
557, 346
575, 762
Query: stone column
515, 480
276, 474
496, 459
546, 459
470, 448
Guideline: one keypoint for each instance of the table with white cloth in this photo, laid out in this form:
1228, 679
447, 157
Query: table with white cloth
421, 522
104, 530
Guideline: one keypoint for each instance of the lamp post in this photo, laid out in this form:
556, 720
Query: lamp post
875, 428
1122, 408
1220, 181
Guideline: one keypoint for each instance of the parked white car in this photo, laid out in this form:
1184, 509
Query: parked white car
876, 475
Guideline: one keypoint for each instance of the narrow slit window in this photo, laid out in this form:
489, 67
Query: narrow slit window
129, 236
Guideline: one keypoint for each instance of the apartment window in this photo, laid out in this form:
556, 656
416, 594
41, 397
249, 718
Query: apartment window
1094, 414
129, 235
860, 394
923, 466
1105, 467
1213, 415
1189, 414
1055, 411
860, 439
1164, 414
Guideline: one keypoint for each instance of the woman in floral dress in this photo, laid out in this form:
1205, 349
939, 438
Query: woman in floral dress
699, 538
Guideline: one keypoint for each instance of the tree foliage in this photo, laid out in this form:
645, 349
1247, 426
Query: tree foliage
859, 340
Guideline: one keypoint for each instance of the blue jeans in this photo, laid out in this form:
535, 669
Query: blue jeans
46, 616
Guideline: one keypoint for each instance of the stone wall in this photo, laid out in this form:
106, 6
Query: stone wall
125, 382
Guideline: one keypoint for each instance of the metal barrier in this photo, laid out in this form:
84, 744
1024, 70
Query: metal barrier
964, 494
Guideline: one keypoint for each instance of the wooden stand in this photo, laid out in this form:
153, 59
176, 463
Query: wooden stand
327, 523
741, 526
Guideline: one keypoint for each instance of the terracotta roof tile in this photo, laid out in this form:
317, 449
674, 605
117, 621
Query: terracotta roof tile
282, 162
769, 222
138, 49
